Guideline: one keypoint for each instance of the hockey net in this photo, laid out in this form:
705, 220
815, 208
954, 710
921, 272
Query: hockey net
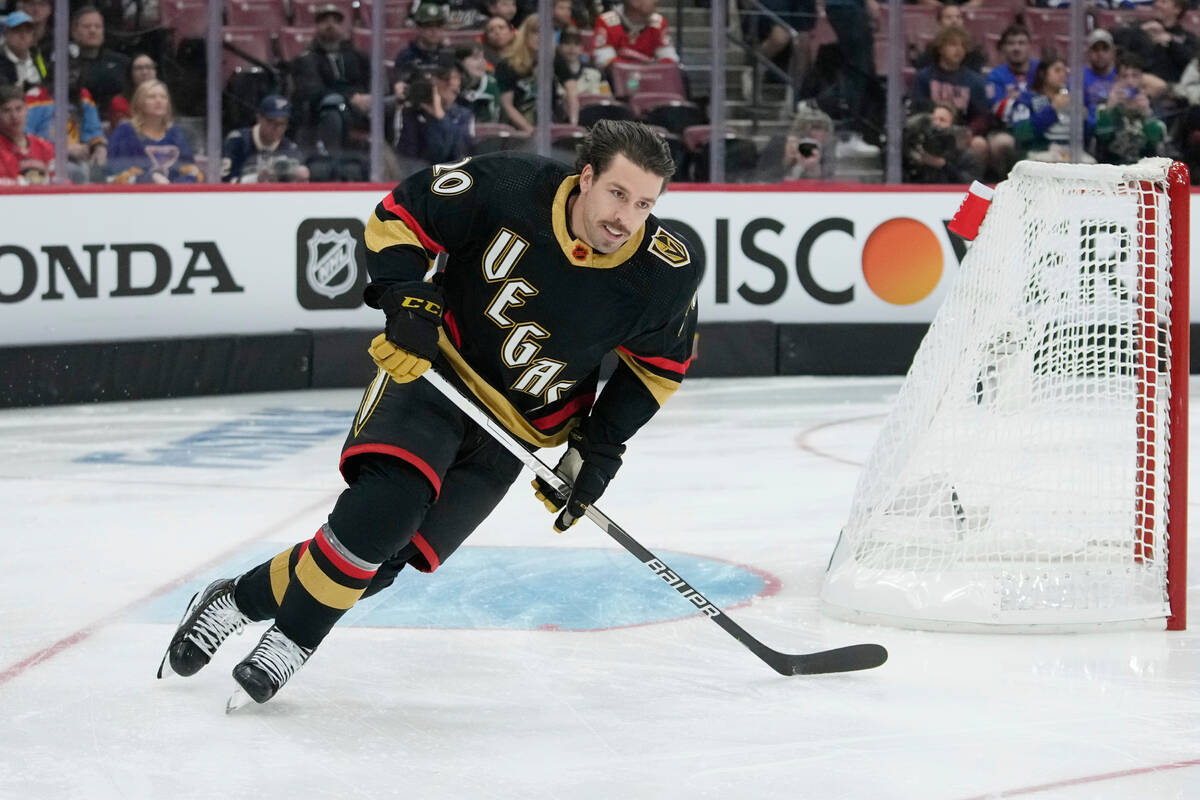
1028, 476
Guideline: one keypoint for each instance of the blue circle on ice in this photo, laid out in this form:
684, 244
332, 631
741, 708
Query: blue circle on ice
528, 588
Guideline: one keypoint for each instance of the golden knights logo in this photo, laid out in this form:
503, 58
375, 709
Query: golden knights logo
669, 248
330, 263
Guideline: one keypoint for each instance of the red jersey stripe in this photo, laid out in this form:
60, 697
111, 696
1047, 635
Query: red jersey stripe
661, 363
400, 211
427, 551
566, 412
338, 559
400, 453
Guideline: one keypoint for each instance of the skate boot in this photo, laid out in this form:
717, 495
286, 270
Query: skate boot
211, 617
268, 667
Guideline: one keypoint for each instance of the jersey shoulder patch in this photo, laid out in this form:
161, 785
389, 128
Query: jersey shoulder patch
669, 248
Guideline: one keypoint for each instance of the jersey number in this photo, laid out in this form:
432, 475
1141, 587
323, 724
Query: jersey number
449, 179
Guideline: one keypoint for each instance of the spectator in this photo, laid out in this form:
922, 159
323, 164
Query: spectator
950, 83
1040, 117
433, 127
950, 15
87, 149
456, 15
505, 9
141, 69
150, 147
561, 16
24, 158
1100, 72
786, 45
262, 153
480, 92
569, 63
332, 82
633, 32
933, 148
43, 34
1126, 128
427, 51
810, 149
1162, 44
103, 72
17, 67
516, 75
1005, 84
853, 22
498, 35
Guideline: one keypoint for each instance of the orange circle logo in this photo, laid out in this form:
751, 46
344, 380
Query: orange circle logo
902, 261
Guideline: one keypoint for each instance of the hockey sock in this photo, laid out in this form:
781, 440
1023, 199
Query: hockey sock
374, 518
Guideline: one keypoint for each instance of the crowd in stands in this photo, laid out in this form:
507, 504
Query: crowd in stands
985, 84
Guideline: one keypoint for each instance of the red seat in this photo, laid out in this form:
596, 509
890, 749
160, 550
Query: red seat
659, 77
1048, 22
595, 107
980, 22
462, 38
395, 13
293, 42
1118, 18
254, 42
695, 136
589, 41
188, 18
667, 111
644, 101
304, 11
491, 137
566, 134
268, 14
393, 40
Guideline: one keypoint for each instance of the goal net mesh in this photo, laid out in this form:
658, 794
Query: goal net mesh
1021, 477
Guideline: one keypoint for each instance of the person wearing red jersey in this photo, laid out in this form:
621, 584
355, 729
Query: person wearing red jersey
633, 32
24, 158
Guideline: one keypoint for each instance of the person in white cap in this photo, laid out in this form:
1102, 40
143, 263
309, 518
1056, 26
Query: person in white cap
1101, 71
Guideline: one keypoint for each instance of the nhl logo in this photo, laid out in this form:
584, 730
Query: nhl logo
331, 270
330, 263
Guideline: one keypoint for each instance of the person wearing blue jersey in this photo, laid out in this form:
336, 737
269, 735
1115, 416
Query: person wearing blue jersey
1100, 72
1005, 84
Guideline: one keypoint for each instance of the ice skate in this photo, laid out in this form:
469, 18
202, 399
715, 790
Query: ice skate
268, 667
211, 617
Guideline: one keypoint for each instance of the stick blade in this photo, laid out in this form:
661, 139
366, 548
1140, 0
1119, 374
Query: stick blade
841, 659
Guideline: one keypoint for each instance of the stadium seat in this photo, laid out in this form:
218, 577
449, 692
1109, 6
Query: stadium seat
562, 135
667, 111
741, 155
293, 42
245, 47
395, 13
394, 40
187, 18
628, 79
492, 137
1048, 22
268, 14
981, 21
593, 108
304, 11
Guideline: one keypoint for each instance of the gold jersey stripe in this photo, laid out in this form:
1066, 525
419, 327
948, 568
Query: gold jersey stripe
662, 388
280, 574
382, 234
324, 589
495, 402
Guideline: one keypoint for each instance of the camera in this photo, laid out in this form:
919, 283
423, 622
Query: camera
420, 91
284, 169
939, 142
808, 147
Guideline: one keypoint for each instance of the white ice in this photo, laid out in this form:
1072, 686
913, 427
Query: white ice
753, 473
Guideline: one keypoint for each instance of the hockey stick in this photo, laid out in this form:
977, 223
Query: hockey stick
840, 659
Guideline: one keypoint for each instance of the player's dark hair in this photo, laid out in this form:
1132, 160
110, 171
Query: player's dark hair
609, 138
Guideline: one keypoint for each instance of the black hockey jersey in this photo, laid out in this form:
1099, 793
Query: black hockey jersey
530, 309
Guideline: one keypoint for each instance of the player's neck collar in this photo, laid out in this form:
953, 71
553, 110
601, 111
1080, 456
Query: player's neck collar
577, 251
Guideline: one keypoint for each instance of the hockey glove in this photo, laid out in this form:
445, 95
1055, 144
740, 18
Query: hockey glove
587, 467
409, 343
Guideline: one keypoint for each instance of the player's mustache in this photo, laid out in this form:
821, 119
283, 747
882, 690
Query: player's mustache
618, 228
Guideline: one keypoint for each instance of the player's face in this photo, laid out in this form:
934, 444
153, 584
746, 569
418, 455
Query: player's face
615, 203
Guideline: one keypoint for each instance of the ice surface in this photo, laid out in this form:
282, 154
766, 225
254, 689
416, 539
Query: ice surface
532, 665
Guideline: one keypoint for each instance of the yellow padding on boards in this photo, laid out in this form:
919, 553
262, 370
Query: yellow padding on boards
324, 589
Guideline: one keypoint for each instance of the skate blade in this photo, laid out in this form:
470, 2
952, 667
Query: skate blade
239, 699
164, 667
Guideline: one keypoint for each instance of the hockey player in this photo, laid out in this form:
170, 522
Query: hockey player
546, 271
